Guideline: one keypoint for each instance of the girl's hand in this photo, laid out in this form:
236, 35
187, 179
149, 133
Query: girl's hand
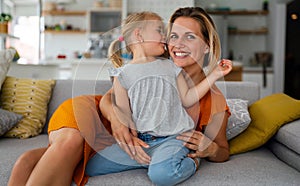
224, 67
201, 145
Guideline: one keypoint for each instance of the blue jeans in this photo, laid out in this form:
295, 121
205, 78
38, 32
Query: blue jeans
169, 162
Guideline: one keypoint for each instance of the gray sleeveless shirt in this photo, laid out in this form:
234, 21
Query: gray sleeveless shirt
154, 99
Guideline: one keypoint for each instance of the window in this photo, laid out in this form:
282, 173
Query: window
26, 28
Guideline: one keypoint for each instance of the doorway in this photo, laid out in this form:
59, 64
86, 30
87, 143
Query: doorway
292, 52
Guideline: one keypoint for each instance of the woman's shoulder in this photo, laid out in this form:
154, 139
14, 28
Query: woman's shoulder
214, 100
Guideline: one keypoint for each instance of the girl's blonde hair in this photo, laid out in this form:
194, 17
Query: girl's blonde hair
208, 31
133, 21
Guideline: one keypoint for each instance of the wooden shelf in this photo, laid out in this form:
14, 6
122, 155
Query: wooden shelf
248, 32
65, 31
64, 13
238, 12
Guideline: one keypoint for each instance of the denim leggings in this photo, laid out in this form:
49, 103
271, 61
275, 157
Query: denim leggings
169, 162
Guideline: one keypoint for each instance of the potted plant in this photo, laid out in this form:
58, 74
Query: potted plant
4, 19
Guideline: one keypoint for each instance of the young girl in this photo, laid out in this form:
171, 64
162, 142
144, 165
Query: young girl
152, 92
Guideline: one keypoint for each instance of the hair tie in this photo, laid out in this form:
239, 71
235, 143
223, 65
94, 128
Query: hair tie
121, 38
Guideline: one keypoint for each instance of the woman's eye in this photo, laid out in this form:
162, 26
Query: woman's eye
190, 37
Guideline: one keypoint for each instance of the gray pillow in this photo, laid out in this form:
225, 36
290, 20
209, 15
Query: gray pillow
239, 119
8, 120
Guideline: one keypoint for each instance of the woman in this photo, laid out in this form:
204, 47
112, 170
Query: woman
152, 91
192, 34
40, 166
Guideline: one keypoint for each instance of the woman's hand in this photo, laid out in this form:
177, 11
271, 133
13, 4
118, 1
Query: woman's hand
141, 156
196, 141
126, 136
216, 150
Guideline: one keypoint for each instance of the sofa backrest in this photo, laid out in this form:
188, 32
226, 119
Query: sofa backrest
240, 89
65, 89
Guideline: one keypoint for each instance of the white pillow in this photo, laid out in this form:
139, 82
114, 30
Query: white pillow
6, 56
239, 119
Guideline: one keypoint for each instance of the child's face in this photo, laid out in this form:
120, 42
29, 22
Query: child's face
154, 38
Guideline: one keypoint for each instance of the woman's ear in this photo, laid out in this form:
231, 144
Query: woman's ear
206, 50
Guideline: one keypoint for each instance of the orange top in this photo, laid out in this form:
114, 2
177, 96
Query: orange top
212, 103
65, 116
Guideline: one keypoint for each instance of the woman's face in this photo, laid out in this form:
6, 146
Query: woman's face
186, 45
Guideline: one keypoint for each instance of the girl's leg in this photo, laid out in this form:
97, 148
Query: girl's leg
170, 164
58, 163
112, 159
24, 166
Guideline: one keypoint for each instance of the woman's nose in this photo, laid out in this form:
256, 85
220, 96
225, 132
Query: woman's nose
179, 43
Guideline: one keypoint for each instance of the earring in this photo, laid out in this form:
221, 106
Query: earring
206, 50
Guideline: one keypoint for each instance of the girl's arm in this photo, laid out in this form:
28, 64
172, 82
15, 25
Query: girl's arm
190, 96
122, 106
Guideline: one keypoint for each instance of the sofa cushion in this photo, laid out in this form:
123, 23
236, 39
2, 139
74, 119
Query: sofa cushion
6, 56
287, 155
8, 120
239, 119
268, 115
289, 135
29, 98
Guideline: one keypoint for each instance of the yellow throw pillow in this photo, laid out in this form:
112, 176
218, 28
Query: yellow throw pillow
29, 98
267, 116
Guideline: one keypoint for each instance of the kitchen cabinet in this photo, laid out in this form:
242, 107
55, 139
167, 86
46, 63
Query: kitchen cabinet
104, 19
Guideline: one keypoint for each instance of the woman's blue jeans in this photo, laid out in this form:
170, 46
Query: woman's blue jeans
169, 162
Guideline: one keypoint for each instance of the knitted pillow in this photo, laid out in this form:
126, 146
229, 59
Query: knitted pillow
239, 119
8, 120
267, 116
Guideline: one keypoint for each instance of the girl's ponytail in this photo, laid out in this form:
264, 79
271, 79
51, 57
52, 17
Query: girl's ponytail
115, 52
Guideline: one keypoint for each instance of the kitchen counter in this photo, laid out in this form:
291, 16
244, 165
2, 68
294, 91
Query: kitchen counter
63, 69
256, 69
87, 61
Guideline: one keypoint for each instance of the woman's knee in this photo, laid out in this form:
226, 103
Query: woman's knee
29, 159
66, 140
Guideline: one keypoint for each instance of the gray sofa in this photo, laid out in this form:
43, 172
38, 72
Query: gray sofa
275, 163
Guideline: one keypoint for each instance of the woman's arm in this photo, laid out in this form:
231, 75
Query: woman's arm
213, 144
128, 142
